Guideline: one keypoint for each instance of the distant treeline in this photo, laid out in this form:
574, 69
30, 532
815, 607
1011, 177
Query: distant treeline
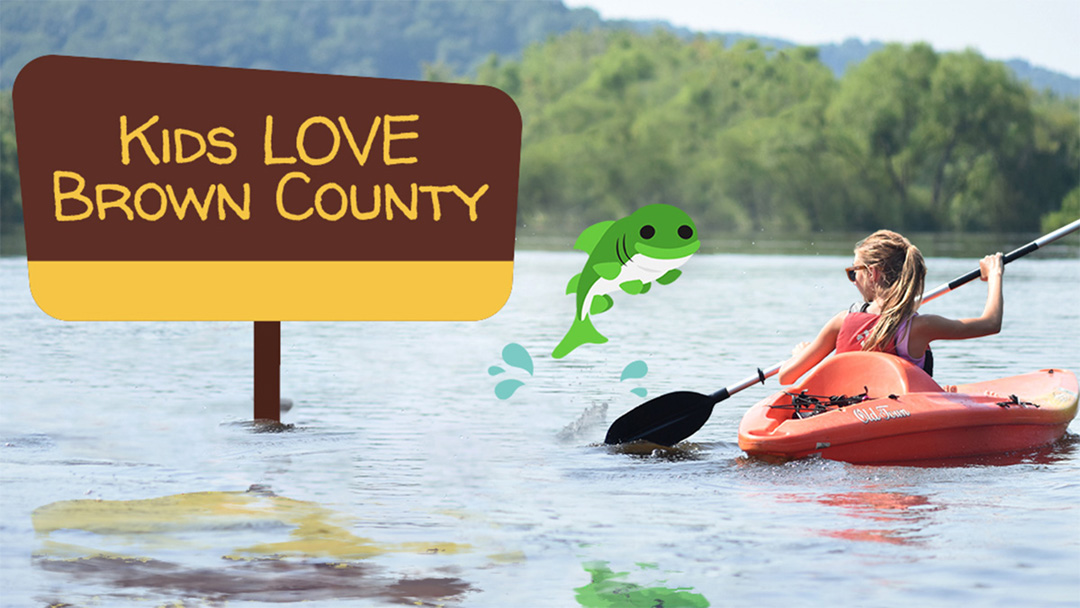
388, 39
744, 137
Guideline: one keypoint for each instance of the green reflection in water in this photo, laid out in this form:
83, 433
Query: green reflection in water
609, 589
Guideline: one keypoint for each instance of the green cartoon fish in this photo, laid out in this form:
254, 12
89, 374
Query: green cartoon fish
628, 254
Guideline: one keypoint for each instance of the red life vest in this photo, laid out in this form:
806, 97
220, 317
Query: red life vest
856, 328
854, 331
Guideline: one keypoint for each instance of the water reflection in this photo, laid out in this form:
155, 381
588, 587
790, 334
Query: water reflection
647, 450
1061, 450
252, 545
259, 581
610, 589
905, 516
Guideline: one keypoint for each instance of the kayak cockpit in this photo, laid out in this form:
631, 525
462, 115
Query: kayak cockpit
854, 373
848, 379
841, 380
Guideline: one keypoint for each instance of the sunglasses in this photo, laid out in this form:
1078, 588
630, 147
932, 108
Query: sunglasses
850, 270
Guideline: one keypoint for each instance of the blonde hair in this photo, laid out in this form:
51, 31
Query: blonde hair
904, 277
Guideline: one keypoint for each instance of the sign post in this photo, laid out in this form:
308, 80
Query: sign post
162, 192
268, 370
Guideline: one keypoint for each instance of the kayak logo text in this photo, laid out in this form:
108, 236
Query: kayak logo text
879, 413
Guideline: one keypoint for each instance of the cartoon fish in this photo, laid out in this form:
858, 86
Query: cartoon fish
648, 245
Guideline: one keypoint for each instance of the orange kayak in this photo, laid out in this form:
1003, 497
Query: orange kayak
874, 408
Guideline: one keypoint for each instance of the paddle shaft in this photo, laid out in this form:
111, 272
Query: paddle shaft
760, 376
1008, 257
726, 392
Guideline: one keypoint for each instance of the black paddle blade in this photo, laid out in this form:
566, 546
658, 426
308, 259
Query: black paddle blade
665, 420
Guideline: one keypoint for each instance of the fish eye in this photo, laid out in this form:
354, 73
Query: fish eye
686, 231
647, 232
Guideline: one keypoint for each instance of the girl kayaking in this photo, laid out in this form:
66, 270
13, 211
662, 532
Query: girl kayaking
890, 274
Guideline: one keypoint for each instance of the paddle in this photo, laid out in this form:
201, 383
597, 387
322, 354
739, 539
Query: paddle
668, 419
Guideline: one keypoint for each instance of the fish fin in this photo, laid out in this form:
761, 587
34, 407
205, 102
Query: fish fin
601, 303
591, 236
608, 270
581, 332
669, 277
635, 287
572, 284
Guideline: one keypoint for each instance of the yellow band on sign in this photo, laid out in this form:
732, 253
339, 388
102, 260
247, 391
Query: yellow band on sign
246, 291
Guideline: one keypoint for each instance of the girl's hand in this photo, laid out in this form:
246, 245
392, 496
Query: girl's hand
991, 265
799, 348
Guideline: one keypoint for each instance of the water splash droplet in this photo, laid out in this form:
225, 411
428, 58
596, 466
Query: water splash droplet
516, 355
636, 369
506, 388
640, 392
495, 370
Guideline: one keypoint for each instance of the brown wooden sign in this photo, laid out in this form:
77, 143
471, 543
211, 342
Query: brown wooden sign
172, 192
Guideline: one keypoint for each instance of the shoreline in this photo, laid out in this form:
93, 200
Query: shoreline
932, 244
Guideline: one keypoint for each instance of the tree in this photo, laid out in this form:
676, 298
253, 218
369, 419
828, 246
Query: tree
1069, 212
950, 141
978, 120
877, 127
10, 195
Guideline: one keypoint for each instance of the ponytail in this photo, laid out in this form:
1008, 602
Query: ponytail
904, 277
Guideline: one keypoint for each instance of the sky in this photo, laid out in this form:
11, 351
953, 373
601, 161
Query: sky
1046, 33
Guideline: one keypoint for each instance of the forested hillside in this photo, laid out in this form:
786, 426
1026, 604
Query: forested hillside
745, 135
748, 139
390, 39
387, 39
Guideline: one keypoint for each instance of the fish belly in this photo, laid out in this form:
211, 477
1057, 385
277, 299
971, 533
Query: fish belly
640, 267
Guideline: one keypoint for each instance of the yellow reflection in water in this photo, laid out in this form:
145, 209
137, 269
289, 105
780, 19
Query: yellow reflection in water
218, 546
172, 522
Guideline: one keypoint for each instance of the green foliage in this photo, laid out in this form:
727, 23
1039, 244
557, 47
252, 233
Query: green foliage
744, 137
386, 39
10, 196
610, 589
616, 120
958, 142
1069, 212
749, 138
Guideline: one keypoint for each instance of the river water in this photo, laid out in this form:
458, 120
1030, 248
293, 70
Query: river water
130, 476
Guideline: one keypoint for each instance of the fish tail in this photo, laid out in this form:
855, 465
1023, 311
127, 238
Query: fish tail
581, 332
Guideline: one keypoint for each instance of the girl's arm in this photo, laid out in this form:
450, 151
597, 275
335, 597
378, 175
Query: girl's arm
933, 327
808, 354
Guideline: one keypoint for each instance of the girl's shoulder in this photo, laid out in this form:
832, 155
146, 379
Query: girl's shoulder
838, 319
921, 320
931, 327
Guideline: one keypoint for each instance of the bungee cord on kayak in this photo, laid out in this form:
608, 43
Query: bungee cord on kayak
805, 405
